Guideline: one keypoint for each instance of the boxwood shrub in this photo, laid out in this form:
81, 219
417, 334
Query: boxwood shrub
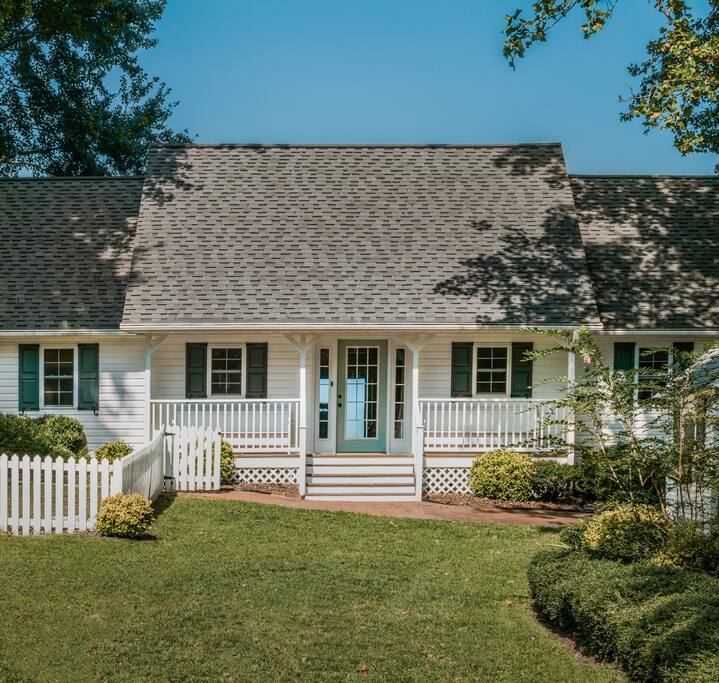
127, 515
227, 463
553, 482
46, 435
503, 475
115, 450
659, 624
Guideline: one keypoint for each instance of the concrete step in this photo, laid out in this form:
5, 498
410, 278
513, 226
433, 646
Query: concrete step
359, 470
341, 489
361, 479
379, 461
363, 498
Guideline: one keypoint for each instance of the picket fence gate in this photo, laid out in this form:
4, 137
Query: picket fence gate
42, 495
195, 459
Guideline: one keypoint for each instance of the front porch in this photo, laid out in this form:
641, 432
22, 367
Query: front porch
358, 413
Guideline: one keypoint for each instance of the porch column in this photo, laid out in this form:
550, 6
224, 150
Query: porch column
415, 345
303, 344
150, 346
571, 376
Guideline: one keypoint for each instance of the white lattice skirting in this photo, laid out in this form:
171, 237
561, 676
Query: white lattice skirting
446, 480
265, 475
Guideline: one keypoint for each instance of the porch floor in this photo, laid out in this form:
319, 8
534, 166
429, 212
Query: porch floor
409, 509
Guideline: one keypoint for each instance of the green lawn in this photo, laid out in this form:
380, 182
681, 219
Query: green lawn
239, 592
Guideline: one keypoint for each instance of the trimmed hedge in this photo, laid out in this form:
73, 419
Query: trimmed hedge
115, 450
659, 624
553, 482
46, 435
503, 475
126, 515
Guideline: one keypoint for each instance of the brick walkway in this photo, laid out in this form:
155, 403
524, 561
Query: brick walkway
416, 510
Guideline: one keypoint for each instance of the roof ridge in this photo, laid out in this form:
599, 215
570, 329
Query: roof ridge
639, 176
421, 145
76, 177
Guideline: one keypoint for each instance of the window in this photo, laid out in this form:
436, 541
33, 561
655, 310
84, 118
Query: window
226, 371
492, 369
649, 360
399, 380
324, 398
58, 377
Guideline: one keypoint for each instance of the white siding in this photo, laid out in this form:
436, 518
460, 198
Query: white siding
122, 388
606, 343
435, 362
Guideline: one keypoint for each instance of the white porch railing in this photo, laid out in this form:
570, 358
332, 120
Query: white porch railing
480, 424
254, 425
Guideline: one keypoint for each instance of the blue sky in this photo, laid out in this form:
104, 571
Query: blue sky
400, 71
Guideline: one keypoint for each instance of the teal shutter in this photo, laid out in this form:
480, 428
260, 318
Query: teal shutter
521, 370
682, 347
28, 377
462, 369
196, 370
624, 356
256, 370
88, 376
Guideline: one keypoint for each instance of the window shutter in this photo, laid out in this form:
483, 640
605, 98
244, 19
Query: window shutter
256, 370
196, 371
462, 369
28, 377
521, 370
88, 376
682, 347
624, 356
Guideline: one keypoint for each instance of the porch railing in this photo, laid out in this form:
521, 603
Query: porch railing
480, 424
252, 425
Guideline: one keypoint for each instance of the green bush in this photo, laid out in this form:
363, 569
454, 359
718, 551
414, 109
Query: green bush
47, 435
571, 535
628, 532
596, 481
227, 463
124, 515
659, 624
688, 547
503, 475
552, 482
115, 450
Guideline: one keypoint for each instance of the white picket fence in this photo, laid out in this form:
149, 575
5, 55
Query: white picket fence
42, 495
195, 459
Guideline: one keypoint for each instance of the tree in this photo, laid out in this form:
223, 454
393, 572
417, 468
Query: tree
638, 429
73, 98
678, 82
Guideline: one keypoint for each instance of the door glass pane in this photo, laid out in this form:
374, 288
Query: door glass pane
361, 392
324, 417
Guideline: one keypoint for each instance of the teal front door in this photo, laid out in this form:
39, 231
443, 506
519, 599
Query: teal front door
362, 397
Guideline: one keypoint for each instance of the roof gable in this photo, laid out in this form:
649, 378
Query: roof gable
358, 234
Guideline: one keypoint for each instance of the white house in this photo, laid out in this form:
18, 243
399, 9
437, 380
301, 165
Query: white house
350, 317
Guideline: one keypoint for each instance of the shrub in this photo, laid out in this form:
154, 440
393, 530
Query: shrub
552, 482
572, 535
124, 515
658, 624
114, 450
628, 532
688, 547
611, 476
502, 474
63, 431
227, 463
47, 435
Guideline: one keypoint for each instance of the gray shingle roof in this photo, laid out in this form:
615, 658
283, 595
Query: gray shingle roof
652, 246
65, 251
348, 234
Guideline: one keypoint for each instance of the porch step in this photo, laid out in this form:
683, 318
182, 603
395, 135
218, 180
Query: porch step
364, 498
360, 477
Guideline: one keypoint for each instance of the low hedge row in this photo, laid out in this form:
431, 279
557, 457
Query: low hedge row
46, 435
659, 624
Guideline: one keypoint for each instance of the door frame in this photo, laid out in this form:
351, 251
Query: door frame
381, 442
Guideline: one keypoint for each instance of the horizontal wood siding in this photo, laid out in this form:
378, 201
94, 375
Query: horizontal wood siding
122, 388
435, 362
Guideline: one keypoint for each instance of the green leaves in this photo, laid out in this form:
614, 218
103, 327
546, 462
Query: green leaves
73, 98
678, 82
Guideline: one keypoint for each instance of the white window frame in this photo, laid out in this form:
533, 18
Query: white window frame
393, 384
508, 381
331, 403
52, 347
243, 372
